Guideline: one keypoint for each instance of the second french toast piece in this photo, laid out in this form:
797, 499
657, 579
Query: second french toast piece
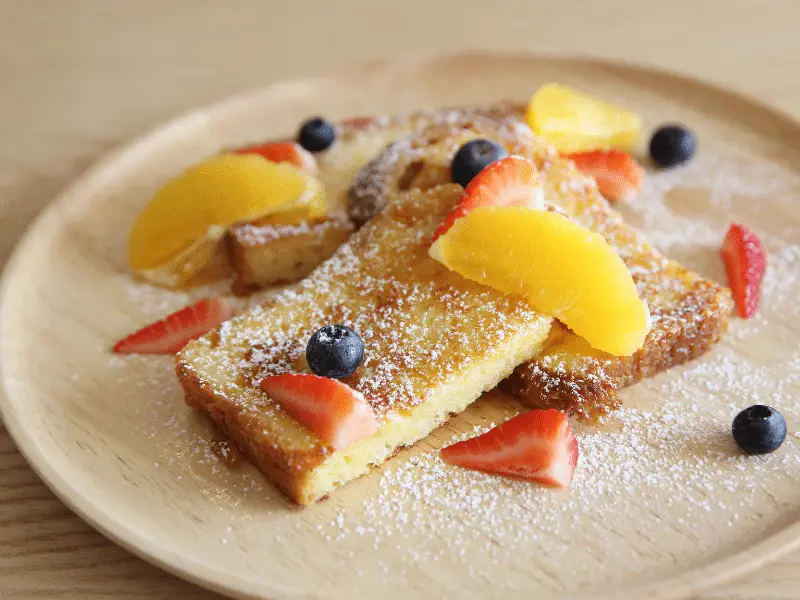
689, 313
433, 343
267, 253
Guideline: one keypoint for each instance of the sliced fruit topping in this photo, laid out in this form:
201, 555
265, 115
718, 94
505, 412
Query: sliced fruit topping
618, 176
334, 351
538, 445
359, 122
672, 145
510, 181
561, 268
288, 152
574, 121
317, 134
746, 262
335, 412
207, 198
173, 332
759, 429
473, 157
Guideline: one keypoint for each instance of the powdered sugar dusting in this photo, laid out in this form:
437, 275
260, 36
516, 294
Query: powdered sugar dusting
255, 235
689, 205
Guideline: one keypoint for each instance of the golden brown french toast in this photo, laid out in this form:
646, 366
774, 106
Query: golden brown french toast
267, 253
689, 313
433, 343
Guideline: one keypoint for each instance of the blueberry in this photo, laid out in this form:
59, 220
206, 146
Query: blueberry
759, 429
334, 351
672, 145
316, 134
473, 157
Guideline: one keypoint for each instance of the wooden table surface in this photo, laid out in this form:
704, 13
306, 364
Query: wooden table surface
81, 77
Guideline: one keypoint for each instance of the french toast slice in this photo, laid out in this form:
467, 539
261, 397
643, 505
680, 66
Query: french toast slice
689, 313
433, 341
270, 251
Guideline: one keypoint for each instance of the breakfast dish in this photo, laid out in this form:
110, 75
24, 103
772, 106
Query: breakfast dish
665, 494
690, 311
493, 219
384, 284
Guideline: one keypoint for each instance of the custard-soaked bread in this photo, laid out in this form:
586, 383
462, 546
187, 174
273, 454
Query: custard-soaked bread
689, 313
433, 341
267, 253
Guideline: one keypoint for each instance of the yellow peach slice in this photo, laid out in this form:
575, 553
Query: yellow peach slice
564, 270
209, 197
574, 121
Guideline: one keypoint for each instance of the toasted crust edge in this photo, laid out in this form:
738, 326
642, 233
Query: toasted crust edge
269, 459
538, 384
313, 246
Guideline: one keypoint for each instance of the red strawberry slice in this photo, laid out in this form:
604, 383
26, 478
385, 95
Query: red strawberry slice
510, 181
359, 122
538, 445
746, 262
618, 176
335, 412
173, 332
283, 152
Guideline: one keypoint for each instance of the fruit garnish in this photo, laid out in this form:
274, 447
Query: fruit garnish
170, 334
672, 145
359, 122
334, 351
510, 181
203, 201
335, 412
746, 262
279, 152
538, 445
574, 121
316, 134
759, 429
618, 176
561, 268
472, 158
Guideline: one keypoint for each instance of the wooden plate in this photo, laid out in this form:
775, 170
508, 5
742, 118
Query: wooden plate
662, 502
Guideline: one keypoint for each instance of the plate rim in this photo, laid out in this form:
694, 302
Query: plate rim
95, 514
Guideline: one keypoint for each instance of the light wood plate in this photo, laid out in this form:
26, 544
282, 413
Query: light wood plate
662, 503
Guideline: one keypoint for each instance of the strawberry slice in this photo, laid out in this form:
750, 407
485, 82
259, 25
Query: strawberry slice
618, 176
335, 412
283, 152
359, 123
746, 262
173, 332
510, 181
538, 445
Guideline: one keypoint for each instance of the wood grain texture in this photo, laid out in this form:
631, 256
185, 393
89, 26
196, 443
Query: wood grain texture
81, 78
